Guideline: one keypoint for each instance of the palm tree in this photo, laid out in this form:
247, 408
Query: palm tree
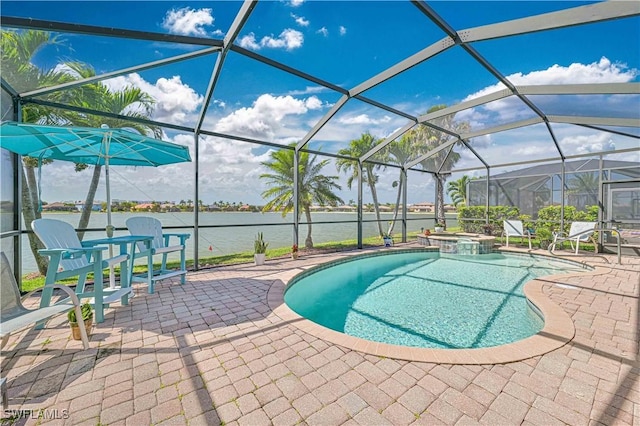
398, 152
118, 102
357, 148
17, 51
425, 139
313, 187
457, 190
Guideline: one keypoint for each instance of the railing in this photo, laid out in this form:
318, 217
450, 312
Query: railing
552, 246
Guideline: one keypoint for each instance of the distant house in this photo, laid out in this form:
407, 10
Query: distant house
169, 207
422, 207
244, 208
79, 205
144, 207
344, 208
59, 207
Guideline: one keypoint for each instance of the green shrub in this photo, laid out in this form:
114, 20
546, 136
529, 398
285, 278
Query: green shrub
475, 217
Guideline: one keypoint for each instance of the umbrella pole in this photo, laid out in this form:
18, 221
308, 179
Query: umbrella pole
110, 228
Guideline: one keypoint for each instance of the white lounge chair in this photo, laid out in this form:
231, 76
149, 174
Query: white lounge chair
68, 257
514, 228
579, 232
149, 226
14, 316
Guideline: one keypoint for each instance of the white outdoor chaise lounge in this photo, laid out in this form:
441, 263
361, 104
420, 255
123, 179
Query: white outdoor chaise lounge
14, 316
514, 228
579, 232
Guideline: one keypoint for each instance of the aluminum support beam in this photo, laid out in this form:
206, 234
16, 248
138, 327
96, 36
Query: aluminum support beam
502, 128
548, 21
125, 71
8, 88
581, 89
110, 115
430, 153
288, 69
296, 196
360, 197
92, 30
603, 121
403, 180
402, 130
336, 107
239, 21
481, 100
196, 207
403, 65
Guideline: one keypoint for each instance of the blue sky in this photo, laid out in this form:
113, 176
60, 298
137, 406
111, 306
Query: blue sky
344, 43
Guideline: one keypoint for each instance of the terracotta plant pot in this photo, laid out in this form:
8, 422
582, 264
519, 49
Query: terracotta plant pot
75, 330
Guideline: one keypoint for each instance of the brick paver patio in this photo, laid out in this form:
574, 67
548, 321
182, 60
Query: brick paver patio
214, 352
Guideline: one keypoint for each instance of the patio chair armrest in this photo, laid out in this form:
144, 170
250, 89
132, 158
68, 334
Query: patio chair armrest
70, 253
72, 295
558, 234
183, 237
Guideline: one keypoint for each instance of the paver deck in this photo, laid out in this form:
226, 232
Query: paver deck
215, 351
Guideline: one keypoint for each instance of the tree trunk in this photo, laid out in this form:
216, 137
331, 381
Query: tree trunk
395, 211
86, 212
440, 202
374, 195
30, 213
308, 242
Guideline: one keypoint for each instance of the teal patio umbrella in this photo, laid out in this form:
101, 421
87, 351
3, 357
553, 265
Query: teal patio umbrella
94, 146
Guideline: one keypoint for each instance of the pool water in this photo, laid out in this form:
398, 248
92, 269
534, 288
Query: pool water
425, 299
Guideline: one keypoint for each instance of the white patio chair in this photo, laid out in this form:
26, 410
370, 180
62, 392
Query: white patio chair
514, 228
579, 232
68, 257
149, 226
14, 316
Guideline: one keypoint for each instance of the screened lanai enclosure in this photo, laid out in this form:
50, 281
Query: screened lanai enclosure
311, 127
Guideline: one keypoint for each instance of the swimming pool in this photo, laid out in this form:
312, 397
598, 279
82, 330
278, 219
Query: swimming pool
426, 299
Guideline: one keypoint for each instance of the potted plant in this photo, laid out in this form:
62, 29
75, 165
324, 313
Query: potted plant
544, 237
388, 241
294, 251
487, 228
440, 225
87, 318
259, 249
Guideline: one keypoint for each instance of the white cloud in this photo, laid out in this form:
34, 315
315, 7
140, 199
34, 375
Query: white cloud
584, 144
175, 101
343, 30
603, 71
300, 20
296, 3
187, 21
512, 108
324, 31
363, 119
249, 42
265, 119
288, 39
307, 90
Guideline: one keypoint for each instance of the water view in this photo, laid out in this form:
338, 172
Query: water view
234, 232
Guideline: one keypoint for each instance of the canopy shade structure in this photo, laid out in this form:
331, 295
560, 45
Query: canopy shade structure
484, 84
